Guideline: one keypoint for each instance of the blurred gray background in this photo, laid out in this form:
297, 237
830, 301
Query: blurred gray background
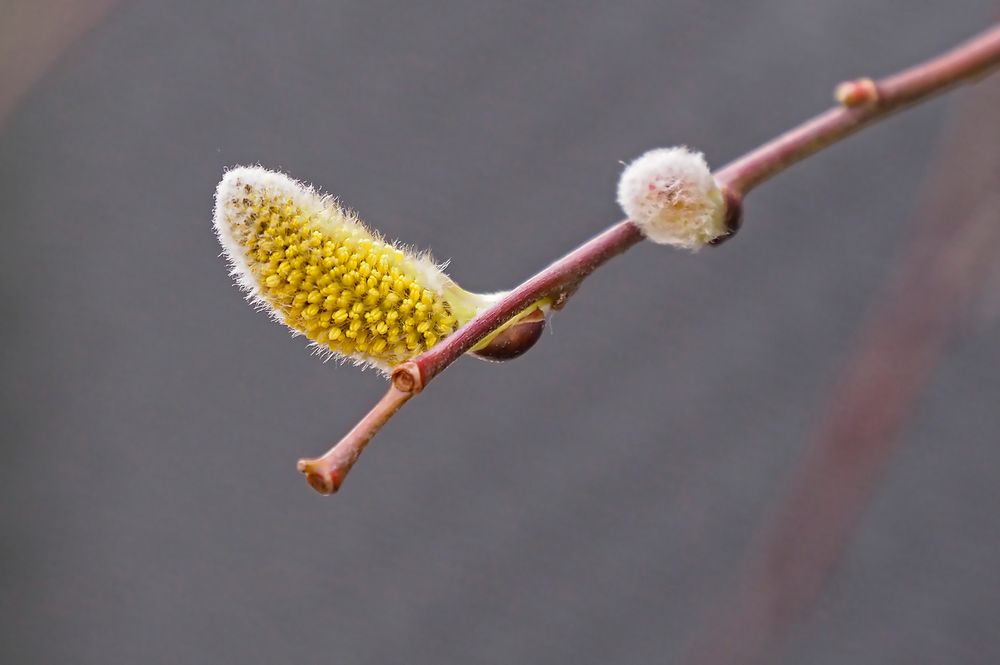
588, 503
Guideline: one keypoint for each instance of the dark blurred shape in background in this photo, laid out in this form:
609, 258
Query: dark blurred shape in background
33, 34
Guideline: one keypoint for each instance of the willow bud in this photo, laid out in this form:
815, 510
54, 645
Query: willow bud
671, 195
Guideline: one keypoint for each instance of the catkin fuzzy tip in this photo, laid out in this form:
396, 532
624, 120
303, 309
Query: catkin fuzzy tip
315, 267
671, 195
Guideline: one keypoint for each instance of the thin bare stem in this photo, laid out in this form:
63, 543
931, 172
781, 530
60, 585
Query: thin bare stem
861, 105
326, 473
871, 101
951, 251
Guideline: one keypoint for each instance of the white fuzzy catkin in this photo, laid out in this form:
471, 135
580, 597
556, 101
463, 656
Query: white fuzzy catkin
673, 198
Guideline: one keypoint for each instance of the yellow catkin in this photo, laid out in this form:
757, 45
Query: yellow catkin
325, 275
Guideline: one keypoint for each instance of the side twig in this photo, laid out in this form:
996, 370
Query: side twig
861, 103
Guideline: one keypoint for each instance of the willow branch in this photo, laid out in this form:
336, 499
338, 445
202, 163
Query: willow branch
860, 103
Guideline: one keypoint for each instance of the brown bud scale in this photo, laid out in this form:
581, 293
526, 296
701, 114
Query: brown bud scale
514, 340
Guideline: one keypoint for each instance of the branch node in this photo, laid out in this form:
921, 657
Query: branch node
859, 92
407, 378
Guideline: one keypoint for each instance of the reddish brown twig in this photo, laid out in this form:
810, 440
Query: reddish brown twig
956, 242
326, 473
967, 61
863, 102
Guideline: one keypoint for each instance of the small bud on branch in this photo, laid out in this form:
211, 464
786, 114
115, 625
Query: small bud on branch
856, 93
670, 194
